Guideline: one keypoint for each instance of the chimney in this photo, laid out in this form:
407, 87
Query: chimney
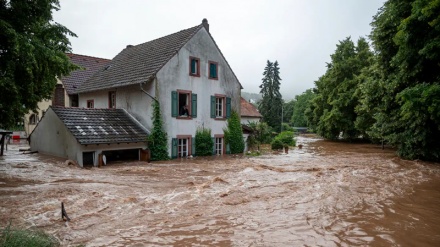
205, 24
129, 46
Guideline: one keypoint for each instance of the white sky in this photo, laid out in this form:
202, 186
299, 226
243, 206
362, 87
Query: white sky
300, 34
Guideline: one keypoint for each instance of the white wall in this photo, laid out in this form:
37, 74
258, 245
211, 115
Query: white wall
245, 120
52, 137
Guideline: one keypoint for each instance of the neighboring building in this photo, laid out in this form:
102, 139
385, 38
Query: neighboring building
186, 68
85, 135
65, 91
249, 112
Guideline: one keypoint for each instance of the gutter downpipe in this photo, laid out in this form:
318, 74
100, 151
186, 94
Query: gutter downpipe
145, 92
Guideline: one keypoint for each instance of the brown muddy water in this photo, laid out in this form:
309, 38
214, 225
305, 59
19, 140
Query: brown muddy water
325, 194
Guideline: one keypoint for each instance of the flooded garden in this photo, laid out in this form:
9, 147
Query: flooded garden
325, 194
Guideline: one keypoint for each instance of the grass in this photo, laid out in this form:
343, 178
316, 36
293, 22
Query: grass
11, 237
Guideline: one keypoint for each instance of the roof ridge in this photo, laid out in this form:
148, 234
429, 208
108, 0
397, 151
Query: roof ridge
166, 36
76, 54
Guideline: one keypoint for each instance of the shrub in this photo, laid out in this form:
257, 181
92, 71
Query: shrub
204, 143
277, 144
157, 141
286, 137
26, 238
234, 134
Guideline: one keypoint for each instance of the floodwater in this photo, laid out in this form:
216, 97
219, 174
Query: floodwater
325, 194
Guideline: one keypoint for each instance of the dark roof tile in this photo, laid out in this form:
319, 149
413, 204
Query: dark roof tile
101, 126
89, 65
249, 110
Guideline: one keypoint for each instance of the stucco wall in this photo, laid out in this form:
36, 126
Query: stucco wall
245, 120
52, 137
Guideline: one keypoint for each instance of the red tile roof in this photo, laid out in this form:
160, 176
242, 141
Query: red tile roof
248, 110
89, 66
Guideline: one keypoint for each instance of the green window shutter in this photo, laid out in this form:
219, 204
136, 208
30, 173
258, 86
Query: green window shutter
193, 66
174, 110
174, 148
213, 70
193, 146
212, 106
194, 105
228, 107
213, 146
228, 149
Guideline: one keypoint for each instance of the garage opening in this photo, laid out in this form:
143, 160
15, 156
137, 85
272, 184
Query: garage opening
88, 159
121, 155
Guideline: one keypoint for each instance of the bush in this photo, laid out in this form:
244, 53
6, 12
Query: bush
234, 134
26, 238
286, 138
277, 144
204, 143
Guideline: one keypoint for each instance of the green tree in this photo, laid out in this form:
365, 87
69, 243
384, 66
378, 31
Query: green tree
288, 111
271, 104
157, 140
234, 134
300, 104
406, 37
32, 56
337, 96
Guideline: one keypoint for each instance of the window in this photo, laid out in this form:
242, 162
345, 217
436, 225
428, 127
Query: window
213, 70
194, 66
183, 104
90, 103
33, 119
220, 106
182, 146
112, 99
218, 145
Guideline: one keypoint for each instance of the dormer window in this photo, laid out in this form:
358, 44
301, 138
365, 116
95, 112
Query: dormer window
112, 99
194, 66
213, 70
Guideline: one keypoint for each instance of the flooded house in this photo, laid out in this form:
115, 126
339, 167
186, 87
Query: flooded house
185, 72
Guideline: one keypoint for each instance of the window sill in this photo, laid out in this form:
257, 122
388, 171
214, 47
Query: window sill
184, 118
194, 75
220, 118
213, 78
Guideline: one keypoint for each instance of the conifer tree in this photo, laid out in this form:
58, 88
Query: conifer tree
271, 104
157, 141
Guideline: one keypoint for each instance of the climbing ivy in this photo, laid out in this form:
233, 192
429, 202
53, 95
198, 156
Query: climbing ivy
234, 134
157, 141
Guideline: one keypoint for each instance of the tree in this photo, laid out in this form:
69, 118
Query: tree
271, 104
234, 134
157, 140
32, 56
288, 111
337, 96
300, 104
406, 37
204, 142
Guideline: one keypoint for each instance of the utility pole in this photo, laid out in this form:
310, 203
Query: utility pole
282, 114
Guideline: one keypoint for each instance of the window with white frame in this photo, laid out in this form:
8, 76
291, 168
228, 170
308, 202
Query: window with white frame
182, 147
219, 107
218, 145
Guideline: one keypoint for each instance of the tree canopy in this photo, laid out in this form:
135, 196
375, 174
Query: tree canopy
390, 94
271, 104
32, 56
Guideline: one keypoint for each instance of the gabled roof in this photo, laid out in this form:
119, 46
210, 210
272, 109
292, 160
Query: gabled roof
101, 126
89, 65
140, 63
249, 110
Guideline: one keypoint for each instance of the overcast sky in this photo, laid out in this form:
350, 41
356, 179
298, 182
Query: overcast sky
300, 34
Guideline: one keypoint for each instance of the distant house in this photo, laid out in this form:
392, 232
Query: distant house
65, 91
185, 68
249, 113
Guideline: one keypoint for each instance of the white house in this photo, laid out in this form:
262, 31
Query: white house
183, 68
